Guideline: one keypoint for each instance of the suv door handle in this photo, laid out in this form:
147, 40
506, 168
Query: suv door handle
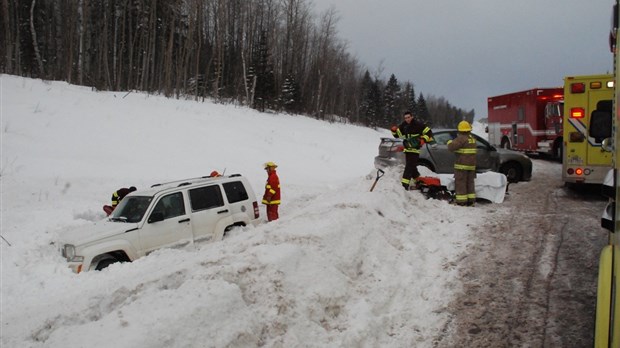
184, 220
223, 211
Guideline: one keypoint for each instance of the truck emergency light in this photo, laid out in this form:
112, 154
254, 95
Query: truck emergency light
610, 84
578, 87
577, 112
596, 84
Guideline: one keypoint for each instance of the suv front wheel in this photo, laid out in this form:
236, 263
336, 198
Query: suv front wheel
105, 263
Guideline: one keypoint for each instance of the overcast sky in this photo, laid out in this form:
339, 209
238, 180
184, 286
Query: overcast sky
468, 50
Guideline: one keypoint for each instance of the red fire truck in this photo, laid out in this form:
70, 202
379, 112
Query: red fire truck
528, 121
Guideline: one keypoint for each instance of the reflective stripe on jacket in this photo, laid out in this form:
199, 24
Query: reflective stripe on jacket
465, 148
414, 135
272, 189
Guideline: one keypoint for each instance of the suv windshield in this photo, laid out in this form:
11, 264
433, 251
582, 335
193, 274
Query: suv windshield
131, 209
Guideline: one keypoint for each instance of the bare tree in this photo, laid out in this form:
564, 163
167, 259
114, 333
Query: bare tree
35, 43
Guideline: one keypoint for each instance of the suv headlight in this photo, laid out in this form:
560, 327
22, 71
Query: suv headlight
69, 253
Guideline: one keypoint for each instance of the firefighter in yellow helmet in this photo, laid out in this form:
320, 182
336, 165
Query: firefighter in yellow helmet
271, 197
464, 146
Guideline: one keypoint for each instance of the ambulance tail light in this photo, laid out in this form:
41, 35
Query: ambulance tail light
575, 171
577, 87
577, 112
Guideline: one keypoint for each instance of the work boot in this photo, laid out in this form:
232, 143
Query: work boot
471, 204
406, 186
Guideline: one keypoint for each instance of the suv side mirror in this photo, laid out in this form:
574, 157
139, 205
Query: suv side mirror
607, 144
156, 217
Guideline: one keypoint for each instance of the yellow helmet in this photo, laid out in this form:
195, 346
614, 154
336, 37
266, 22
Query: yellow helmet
464, 126
270, 164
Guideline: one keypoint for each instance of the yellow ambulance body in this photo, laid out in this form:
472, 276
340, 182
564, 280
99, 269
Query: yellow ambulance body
588, 104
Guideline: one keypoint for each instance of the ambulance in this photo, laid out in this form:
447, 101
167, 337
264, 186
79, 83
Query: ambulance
588, 103
607, 324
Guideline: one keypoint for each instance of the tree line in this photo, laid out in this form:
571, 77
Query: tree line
266, 54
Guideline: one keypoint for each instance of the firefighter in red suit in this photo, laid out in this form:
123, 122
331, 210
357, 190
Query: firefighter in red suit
271, 198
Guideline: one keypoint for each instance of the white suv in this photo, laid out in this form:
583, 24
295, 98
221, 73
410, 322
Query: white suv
172, 214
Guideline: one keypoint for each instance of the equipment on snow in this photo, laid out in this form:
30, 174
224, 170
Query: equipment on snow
379, 175
4, 239
431, 187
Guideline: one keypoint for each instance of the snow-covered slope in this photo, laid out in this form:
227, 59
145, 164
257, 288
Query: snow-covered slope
343, 267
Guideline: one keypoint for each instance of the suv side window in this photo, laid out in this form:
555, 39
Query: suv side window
171, 205
235, 192
207, 197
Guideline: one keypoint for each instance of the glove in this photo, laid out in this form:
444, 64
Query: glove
449, 141
267, 198
394, 129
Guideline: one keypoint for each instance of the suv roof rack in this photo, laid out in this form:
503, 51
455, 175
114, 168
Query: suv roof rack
183, 181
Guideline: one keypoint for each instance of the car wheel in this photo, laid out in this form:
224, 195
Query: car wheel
559, 152
512, 171
105, 263
427, 165
228, 228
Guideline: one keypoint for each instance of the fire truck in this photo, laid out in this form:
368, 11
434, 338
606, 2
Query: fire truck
528, 121
588, 103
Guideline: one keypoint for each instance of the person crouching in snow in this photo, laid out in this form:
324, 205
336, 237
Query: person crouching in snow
271, 198
465, 165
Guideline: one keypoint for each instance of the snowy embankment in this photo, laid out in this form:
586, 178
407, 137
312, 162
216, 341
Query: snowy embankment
342, 267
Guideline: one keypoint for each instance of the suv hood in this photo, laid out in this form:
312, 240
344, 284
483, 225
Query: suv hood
94, 232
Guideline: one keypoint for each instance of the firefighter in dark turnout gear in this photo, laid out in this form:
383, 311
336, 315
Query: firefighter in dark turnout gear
119, 194
414, 134
464, 146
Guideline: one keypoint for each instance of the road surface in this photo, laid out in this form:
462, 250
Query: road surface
529, 279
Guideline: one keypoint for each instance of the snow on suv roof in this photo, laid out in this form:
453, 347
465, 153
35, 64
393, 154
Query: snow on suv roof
159, 187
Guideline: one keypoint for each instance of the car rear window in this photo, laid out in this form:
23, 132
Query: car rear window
207, 197
442, 138
235, 191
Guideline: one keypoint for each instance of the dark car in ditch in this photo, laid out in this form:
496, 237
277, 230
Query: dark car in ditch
436, 157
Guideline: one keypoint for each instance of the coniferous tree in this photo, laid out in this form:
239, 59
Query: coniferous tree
364, 109
422, 111
290, 98
375, 104
413, 104
264, 75
391, 98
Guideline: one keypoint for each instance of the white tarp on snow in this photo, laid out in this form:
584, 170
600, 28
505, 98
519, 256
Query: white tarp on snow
489, 185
